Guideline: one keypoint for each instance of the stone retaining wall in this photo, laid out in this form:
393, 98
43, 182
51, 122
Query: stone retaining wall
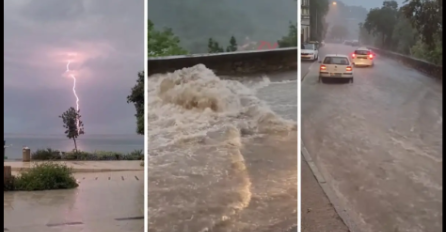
420, 65
234, 63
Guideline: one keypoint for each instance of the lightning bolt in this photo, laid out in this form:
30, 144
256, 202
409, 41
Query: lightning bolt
75, 94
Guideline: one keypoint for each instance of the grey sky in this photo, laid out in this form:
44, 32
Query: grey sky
368, 4
108, 39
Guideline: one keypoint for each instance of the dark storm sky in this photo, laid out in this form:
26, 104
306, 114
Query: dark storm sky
108, 39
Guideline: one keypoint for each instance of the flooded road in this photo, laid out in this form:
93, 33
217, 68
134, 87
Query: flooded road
378, 143
220, 158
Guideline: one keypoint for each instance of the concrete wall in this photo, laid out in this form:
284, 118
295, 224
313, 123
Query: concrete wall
234, 63
420, 65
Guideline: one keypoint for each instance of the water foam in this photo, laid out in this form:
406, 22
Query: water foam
197, 175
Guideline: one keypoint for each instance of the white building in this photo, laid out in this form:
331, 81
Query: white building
305, 21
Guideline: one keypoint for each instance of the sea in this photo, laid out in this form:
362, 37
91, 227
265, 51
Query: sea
86, 142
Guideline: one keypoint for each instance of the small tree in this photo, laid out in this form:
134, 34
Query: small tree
232, 45
289, 40
214, 47
72, 124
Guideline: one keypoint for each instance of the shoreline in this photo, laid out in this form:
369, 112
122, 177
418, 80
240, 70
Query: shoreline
84, 166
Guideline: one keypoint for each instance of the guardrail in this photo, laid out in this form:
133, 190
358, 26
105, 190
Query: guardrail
230, 63
420, 65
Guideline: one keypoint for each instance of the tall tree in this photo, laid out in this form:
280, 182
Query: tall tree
381, 22
73, 125
426, 16
137, 98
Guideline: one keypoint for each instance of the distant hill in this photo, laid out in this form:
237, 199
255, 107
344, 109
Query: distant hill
195, 21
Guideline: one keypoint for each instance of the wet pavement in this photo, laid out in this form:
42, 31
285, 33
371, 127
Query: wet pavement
378, 143
318, 214
103, 202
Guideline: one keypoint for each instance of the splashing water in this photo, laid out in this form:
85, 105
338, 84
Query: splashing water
198, 124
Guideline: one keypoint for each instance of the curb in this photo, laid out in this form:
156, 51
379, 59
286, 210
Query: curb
307, 72
328, 191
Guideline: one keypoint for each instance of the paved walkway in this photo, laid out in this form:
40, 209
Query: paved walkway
318, 214
85, 166
103, 202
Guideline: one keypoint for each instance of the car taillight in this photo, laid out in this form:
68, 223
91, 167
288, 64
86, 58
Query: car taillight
371, 56
323, 67
349, 68
353, 55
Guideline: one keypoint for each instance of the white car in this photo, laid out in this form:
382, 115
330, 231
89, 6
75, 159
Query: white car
336, 66
363, 57
309, 52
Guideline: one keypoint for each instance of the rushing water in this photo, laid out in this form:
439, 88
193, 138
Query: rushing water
219, 157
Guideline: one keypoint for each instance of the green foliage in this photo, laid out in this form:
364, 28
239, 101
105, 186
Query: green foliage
232, 45
427, 18
45, 176
338, 32
381, 22
289, 40
50, 154
424, 52
163, 43
46, 154
406, 30
137, 98
214, 47
403, 35
72, 124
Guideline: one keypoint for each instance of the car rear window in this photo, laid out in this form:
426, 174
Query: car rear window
361, 52
336, 60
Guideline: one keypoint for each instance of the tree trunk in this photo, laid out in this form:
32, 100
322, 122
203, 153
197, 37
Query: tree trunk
75, 145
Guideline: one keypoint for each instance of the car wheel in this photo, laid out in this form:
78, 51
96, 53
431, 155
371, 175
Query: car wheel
351, 80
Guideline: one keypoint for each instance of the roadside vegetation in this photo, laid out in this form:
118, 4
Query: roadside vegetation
50, 154
43, 176
414, 29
